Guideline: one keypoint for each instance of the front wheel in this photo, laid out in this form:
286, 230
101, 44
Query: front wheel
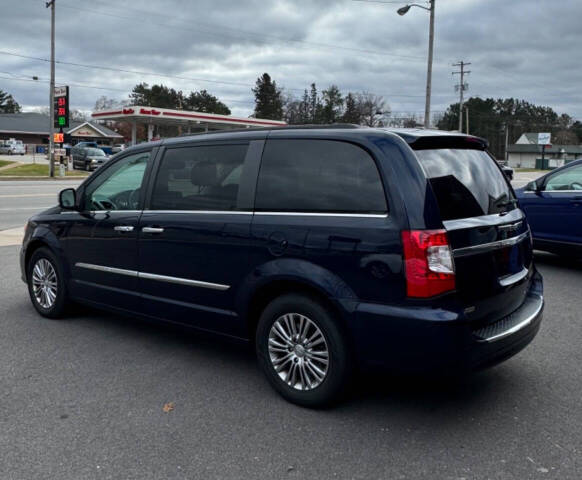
46, 285
303, 351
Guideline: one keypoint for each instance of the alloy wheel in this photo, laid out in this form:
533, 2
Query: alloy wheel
44, 283
298, 351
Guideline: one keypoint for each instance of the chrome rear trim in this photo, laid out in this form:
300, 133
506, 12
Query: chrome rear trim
485, 247
484, 220
515, 278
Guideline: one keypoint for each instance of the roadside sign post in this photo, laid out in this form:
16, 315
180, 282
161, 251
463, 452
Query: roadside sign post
544, 139
60, 121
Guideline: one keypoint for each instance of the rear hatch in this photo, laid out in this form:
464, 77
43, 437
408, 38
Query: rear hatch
487, 231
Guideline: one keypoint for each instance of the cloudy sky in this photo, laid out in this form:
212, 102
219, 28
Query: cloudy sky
529, 49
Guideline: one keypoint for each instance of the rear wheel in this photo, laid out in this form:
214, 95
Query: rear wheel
46, 285
302, 351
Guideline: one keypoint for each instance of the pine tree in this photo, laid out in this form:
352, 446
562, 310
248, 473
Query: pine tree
8, 104
268, 98
352, 113
332, 104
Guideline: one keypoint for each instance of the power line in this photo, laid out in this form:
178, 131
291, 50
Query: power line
178, 77
154, 15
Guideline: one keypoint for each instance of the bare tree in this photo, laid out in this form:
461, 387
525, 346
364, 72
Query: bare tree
374, 111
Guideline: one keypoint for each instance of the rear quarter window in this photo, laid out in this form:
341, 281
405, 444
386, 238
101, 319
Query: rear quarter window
318, 176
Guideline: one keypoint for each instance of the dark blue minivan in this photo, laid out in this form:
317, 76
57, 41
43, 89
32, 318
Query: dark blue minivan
330, 249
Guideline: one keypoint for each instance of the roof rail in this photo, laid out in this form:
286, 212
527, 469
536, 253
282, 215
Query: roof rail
310, 126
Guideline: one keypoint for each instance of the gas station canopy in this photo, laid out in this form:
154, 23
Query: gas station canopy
197, 121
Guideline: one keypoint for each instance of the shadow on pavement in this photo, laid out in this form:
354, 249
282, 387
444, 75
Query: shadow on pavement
563, 261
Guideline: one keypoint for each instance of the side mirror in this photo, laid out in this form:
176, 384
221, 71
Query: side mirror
68, 199
534, 187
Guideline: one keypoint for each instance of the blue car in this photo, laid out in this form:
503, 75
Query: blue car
553, 206
327, 249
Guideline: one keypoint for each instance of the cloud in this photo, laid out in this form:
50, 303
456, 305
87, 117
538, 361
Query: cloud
516, 49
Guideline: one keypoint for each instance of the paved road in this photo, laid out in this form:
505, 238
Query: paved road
82, 398
19, 200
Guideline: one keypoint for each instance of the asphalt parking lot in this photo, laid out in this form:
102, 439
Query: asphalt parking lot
84, 398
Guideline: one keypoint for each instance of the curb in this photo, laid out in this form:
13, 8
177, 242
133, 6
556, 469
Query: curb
71, 177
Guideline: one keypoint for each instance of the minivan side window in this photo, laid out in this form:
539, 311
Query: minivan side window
319, 176
118, 187
199, 178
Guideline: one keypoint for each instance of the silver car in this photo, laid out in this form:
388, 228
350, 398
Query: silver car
89, 159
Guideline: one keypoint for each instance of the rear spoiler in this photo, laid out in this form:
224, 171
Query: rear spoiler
446, 141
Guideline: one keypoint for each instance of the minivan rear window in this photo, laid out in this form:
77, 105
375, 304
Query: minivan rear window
466, 182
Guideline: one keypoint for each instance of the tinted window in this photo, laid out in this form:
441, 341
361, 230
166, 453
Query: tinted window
118, 187
95, 152
467, 183
569, 179
199, 178
318, 176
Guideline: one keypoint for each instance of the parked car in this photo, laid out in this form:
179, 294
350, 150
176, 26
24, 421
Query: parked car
507, 170
12, 147
118, 148
553, 206
327, 248
89, 159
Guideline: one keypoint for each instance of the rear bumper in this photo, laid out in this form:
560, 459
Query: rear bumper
421, 340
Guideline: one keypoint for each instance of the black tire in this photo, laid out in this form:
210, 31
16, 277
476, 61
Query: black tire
339, 369
87, 166
57, 308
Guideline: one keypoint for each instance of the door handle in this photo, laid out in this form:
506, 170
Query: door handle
123, 228
152, 230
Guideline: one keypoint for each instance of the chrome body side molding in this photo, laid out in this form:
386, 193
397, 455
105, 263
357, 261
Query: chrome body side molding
153, 276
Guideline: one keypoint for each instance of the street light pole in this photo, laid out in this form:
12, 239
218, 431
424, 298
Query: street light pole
402, 11
51, 4
429, 67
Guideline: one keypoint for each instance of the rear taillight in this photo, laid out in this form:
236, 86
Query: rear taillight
428, 263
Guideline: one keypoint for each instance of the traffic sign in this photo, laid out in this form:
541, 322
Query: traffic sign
58, 137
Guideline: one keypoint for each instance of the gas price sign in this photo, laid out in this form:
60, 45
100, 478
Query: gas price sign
61, 107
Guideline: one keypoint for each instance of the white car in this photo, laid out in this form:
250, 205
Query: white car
13, 147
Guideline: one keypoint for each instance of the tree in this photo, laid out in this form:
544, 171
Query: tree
315, 107
352, 112
8, 104
77, 116
494, 118
372, 108
106, 103
333, 103
268, 98
203, 101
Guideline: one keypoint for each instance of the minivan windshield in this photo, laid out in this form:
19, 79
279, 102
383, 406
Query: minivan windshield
466, 182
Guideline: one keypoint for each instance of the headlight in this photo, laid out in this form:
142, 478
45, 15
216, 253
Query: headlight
93, 160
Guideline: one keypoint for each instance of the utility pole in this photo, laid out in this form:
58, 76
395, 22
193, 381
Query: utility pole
429, 67
467, 118
51, 4
462, 86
